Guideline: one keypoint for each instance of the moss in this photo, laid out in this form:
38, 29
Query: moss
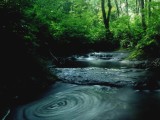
146, 49
136, 54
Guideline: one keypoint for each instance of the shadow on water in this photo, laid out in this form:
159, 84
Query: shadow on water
148, 106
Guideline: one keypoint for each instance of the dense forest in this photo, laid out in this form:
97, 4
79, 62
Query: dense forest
73, 26
33, 31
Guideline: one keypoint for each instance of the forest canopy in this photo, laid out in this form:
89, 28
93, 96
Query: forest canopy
84, 25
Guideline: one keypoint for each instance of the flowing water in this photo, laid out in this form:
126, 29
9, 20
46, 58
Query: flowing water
97, 86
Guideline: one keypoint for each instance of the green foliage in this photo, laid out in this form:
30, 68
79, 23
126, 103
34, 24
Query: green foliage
65, 23
146, 48
121, 31
149, 43
128, 30
136, 54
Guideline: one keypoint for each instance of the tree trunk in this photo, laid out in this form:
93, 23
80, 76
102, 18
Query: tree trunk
149, 9
109, 12
120, 2
106, 18
128, 15
117, 7
143, 15
127, 7
104, 13
137, 8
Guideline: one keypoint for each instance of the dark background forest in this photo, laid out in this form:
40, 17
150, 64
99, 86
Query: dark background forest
31, 30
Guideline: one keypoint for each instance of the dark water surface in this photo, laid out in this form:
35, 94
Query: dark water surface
89, 90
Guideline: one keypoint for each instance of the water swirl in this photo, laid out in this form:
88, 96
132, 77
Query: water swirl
76, 103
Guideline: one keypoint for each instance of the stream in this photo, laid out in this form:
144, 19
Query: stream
97, 86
